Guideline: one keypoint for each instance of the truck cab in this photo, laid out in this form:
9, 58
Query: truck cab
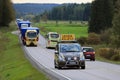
23, 24
52, 39
68, 53
30, 35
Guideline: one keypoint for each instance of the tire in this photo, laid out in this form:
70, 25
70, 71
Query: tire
78, 67
92, 59
47, 47
82, 67
59, 67
23, 42
35, 45
55, 64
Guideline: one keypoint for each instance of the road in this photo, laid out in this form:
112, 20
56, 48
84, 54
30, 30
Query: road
95, 70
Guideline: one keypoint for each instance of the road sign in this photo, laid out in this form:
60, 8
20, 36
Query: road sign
67, 37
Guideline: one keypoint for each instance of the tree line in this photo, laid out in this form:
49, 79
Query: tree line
32, 8
71, 11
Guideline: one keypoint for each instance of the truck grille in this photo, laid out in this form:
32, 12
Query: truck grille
31, 39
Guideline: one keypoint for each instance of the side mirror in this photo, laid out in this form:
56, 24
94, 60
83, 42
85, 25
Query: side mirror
56, 52
84, 51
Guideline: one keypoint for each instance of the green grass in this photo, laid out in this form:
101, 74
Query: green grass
13, 64
63, 27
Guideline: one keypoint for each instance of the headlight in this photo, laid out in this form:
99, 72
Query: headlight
75, 58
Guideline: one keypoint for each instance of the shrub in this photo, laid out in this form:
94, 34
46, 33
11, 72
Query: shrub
106, 52
93, 39
105, 36
109, 53
82, 40
116, 56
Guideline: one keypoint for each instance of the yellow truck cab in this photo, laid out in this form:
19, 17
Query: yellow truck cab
68, 53
52, 39
30, 35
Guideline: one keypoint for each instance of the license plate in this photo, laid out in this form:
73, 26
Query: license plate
88, 55
72, 62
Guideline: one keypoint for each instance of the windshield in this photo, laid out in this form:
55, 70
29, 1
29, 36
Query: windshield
70, 48
54, 35
32, 34
24, 25
88, 49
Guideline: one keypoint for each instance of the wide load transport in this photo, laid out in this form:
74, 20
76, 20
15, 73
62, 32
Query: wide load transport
30, 36
22, 24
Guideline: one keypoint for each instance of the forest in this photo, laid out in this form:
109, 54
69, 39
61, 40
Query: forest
32, 8
73, 11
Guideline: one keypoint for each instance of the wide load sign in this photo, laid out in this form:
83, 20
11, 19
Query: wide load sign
67, 37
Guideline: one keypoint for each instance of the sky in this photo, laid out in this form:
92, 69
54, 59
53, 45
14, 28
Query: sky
51, 1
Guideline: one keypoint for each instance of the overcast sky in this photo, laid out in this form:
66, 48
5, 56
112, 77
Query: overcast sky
51, 1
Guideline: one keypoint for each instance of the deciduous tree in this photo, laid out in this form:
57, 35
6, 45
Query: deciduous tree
7, 13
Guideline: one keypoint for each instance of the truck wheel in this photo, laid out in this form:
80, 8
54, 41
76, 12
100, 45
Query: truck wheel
24, 43
35, 45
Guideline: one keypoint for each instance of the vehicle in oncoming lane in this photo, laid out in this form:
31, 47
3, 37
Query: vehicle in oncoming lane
52, 39
89, 53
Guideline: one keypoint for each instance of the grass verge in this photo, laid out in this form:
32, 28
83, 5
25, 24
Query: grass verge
13, 64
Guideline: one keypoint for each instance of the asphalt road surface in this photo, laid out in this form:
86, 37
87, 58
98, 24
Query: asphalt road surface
43, 59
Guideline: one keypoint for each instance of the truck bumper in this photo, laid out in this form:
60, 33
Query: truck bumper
28, 43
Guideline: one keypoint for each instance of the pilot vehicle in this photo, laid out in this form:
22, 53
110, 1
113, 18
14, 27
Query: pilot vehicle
68, 53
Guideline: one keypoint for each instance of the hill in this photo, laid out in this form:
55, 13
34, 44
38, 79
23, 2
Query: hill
32, 8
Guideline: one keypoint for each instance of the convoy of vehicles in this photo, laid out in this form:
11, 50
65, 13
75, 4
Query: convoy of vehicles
89, 53
30, 35
52, 39
68, 53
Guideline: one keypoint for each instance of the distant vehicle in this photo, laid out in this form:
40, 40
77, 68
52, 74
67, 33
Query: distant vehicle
30, 36
22, 24
68, 53
52, 39
18, 20
89, 53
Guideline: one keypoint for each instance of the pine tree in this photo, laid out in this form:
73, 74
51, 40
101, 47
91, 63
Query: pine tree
101, 15
116, 25
1, 8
